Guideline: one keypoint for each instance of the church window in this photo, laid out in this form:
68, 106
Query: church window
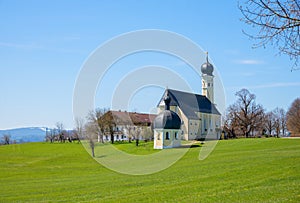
208, 84
158, 136
167, 136
176, 135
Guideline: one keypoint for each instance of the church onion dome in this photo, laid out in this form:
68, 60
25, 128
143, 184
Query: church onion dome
167, 119
207, 68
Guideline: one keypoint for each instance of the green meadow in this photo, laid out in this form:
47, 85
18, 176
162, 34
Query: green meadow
241, 170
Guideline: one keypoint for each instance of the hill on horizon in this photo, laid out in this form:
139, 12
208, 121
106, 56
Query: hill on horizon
26, 134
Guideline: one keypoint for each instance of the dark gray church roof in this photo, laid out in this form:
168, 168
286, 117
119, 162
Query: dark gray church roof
190, 103
167, 120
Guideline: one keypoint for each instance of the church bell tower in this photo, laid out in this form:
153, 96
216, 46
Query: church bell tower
208, 80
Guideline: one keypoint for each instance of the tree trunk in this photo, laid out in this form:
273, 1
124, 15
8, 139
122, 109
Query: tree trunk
112, 138
93, 151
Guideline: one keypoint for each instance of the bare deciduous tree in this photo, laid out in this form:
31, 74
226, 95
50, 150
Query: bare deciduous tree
129, 128
79, 129
97, 118
293, 117
269, 122
246, 113
137, 133
110, 124
278, 23
6, 139
276, 121
230, 124
279, 121
91, 133
146, 133
282, 120
50, 135
60, 131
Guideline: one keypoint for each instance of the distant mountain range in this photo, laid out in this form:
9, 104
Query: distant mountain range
32, 134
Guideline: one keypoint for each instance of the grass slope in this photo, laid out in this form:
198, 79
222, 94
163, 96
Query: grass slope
244, 170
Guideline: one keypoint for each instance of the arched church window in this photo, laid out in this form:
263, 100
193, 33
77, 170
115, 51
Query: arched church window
167, 136
176, 135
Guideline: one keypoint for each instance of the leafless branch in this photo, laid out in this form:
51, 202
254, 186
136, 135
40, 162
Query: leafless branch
278, 23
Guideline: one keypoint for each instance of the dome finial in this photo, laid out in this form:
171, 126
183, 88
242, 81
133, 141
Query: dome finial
206, 56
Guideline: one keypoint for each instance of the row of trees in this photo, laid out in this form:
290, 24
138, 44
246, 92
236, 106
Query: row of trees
60, 134
247, 118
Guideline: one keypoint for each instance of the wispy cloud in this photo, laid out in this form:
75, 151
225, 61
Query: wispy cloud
71, 38
248, 74
33, 46
232, 52
19, 46
249, 62
272, 85
269, 85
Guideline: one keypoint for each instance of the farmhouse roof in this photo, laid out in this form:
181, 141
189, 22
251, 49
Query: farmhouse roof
124, 117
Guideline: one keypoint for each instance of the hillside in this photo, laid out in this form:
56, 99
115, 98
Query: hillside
243, 170
31, 134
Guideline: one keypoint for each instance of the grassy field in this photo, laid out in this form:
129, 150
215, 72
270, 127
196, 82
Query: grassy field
243, 170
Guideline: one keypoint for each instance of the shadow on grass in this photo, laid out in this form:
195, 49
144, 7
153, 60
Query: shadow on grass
101, 156
189, 146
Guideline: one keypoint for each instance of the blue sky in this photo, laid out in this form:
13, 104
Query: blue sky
43, 45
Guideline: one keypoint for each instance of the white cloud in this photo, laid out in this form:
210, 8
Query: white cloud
248, 74
249, 62
269, 85
38, 47
15, 45
232, 52
272, 85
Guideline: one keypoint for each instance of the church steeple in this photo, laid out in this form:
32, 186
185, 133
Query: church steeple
207, 79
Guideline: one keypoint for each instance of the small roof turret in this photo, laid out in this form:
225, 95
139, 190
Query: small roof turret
167, 119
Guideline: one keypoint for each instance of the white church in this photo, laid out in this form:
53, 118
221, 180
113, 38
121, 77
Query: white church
188, 116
